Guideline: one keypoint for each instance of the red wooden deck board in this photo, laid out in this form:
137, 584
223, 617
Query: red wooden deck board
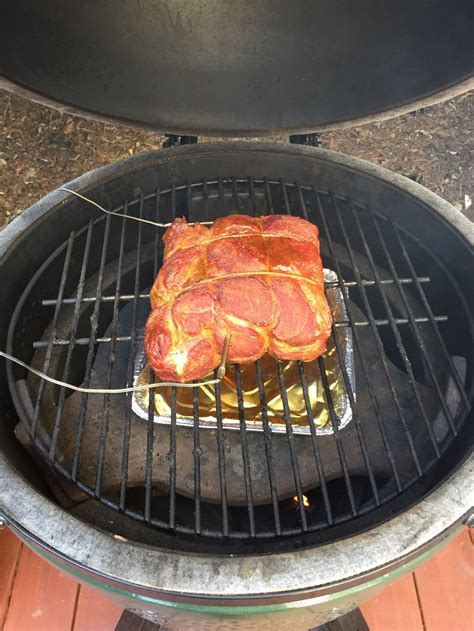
394, 609
43, 599
10, 548
445, 585
95, 612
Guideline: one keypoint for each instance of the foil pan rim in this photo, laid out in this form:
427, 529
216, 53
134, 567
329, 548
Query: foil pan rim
344, 417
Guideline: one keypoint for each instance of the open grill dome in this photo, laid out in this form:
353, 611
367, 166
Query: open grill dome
237, 68
401, 271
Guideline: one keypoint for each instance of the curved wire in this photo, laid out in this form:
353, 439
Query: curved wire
114, 214
147, 386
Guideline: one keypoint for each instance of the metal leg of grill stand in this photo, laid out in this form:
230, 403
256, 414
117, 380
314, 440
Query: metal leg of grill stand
352, 621
130, 621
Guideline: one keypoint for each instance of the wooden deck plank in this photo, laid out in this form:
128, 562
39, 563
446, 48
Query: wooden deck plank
445, 586
95, 612
10, 548
43, 598
394, 609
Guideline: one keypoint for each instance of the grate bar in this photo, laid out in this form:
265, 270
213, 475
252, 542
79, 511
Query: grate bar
267, 441
172, 458
337, 435
205, 195
158, 243
414, 327
104, 418
285, 197
51, 302
74, 323
131, 361
252, 196
245, 450
383, 281
197, 462
291, 445
221, 192
396, 332
49, 344
268, 197
90, 353
221, 458
432, 319
384, 322
173, 416
151, 407
219, 428
84, 341
149, 449
315, 444
157, 253
378, 341
235, 195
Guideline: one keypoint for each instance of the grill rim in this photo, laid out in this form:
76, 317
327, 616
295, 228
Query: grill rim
100, 176
450, 502
317, 571
183, 530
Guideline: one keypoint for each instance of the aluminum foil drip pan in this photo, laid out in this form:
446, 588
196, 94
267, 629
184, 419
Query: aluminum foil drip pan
250, 394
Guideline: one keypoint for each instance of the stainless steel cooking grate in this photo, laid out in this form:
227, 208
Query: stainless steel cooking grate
410, 396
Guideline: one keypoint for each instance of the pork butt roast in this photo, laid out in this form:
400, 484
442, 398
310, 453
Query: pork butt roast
258, 280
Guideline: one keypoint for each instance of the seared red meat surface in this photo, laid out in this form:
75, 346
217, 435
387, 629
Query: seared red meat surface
259, 280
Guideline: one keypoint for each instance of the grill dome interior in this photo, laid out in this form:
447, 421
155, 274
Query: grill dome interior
403, 271
241, 68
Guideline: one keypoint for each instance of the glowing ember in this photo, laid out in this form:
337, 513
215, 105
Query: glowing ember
306, 502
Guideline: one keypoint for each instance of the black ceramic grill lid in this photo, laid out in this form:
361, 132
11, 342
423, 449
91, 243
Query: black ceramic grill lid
237, 67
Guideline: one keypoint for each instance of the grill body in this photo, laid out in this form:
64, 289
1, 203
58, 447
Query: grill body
321, 568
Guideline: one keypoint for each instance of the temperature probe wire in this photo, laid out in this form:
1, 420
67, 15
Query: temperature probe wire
114, 214
147, 386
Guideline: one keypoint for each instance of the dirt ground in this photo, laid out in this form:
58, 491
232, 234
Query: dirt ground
41, 149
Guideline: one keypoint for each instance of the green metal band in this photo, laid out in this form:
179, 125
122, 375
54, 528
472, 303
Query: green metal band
229, 610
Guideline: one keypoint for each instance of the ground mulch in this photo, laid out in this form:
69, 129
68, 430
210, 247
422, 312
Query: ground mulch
40, 149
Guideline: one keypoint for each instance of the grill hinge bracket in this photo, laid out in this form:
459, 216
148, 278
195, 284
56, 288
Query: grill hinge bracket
172, 139
310, 140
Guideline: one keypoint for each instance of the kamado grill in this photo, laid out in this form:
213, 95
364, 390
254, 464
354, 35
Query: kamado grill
288, 492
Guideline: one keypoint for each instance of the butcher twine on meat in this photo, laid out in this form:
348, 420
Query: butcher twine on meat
257, 279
